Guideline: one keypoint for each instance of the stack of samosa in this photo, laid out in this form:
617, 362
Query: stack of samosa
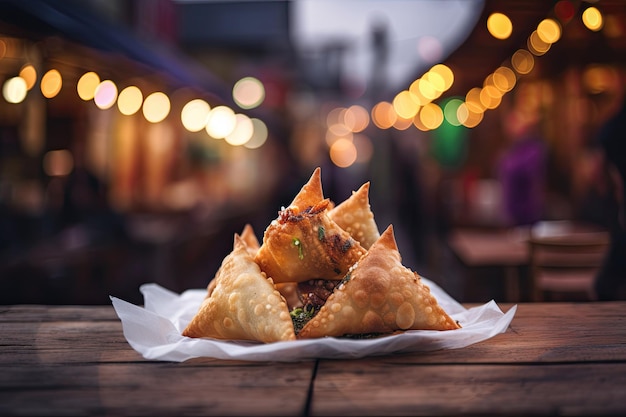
321, 270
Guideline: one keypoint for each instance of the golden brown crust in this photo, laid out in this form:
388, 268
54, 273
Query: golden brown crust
355, 216
250, 239
379, 295
244, 304
305, 244
252, 245
311, 193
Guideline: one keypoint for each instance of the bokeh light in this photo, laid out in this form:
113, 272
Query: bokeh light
383, 115
51, 83
402, 123
195, 115
248, 92
504, 79
156, 107
592, 19
499, 25
105, 94
14, 90
221, 122
450, 111
259, 134
445, 73
87, 84
536, 45
130, 100
29, 74
404, 104
522, 61
343, 153
431, 116
242, 132
356, 118
549, 30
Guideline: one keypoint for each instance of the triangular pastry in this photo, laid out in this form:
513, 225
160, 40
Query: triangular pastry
250, 239
355, 216
310, 193
244, 303
304, 243
252, 245
379, 295
286, 289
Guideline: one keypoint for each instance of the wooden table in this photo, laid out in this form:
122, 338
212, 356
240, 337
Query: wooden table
493, 248
556, 358
508, 249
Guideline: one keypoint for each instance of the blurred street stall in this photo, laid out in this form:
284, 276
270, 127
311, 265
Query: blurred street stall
136, 137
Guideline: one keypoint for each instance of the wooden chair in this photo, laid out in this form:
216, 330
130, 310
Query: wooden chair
563, 266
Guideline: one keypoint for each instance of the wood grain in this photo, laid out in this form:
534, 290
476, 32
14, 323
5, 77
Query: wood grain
556, 358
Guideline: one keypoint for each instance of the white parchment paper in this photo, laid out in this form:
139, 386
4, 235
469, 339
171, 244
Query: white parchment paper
154, 330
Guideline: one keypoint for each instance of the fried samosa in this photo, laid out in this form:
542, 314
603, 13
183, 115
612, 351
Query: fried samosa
244, 303
304, 242
355, 216
378, 296
252, 245
250, 239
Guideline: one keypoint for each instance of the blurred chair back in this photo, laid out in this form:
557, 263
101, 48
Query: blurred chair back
563, 266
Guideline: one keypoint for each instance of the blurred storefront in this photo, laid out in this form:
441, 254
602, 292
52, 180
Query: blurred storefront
108, 171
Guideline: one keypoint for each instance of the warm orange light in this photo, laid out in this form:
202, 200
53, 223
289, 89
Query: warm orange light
87, 85
549, 30
446, 73
29, 74
522, 61
504, 79
51, 83
404, 105
356, 118
536, 45
499, 25
383, 115
431, 116
592, 19
343, 153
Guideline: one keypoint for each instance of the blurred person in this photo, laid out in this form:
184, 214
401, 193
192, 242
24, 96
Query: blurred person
610, 282
521, 170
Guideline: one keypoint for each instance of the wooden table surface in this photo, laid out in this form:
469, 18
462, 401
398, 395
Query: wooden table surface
500, 247
556, 358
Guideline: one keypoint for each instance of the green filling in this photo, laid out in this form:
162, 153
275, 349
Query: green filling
301, 316
321, 233
298, 244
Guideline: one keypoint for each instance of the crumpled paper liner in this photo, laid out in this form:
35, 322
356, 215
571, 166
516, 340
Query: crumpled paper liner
154, 331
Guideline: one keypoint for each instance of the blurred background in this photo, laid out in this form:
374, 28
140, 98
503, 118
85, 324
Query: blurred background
136, 137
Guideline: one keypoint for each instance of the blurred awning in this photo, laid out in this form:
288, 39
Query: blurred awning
72, 20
